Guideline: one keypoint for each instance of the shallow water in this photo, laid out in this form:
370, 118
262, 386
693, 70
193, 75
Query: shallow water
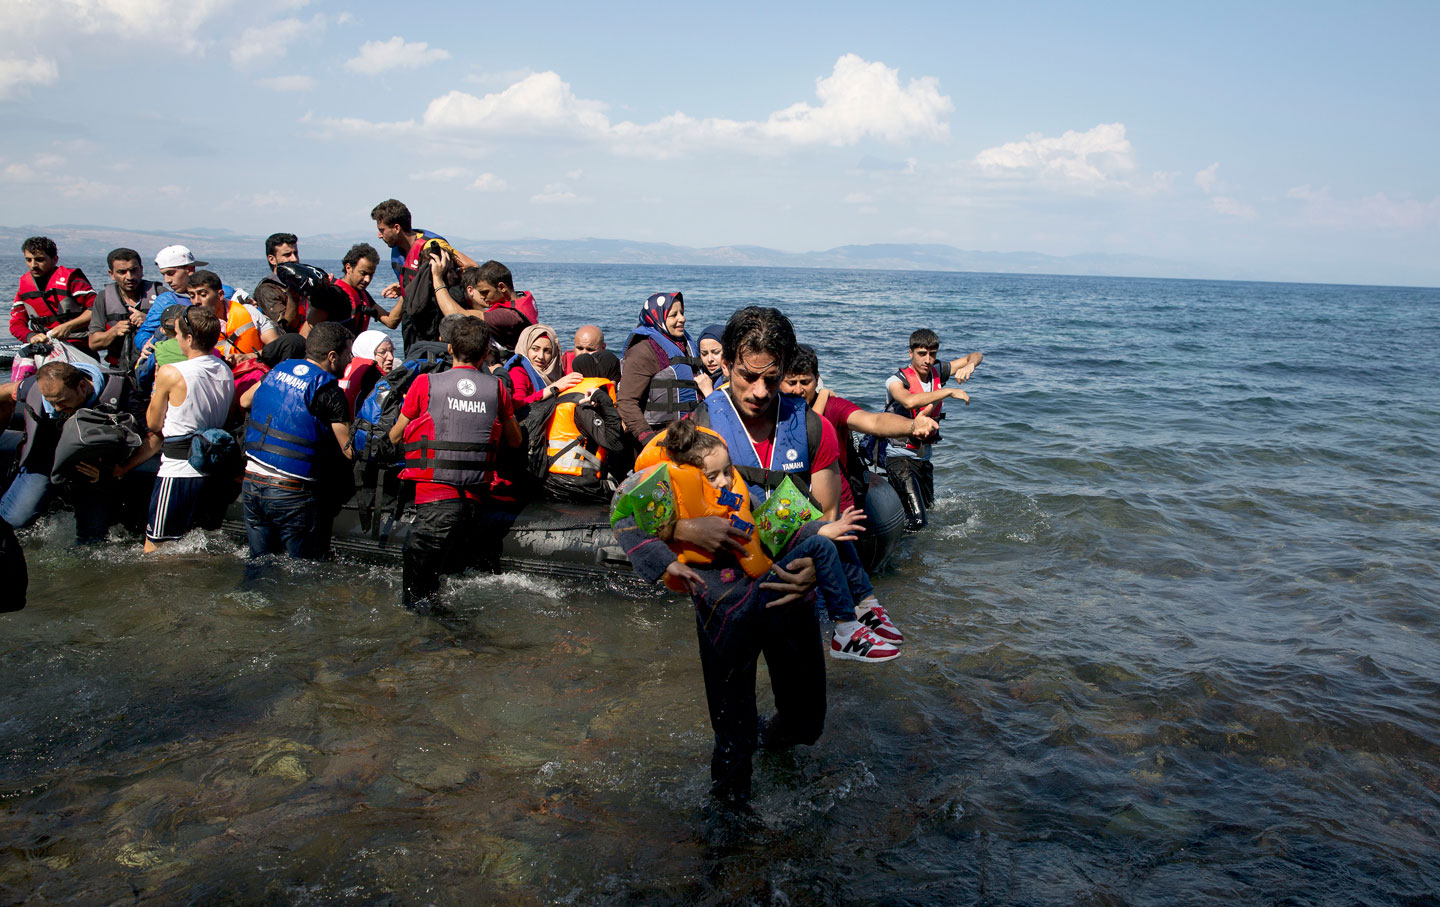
1172, 638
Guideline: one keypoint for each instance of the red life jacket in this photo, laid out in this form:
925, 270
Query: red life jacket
525, 302
56, 303
913, 385
354, 378
360, 302
453, 442
412, 257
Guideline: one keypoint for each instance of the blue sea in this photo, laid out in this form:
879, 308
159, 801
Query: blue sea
1172, 637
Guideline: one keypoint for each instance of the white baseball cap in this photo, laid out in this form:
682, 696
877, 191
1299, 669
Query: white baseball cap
176, 257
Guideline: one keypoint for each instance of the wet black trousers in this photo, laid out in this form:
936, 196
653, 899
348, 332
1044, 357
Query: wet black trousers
446, 537
914, 480
789, 637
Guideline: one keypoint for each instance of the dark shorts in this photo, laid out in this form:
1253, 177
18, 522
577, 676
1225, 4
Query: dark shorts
173, 506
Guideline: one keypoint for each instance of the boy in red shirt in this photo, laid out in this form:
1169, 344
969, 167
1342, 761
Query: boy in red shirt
450, 426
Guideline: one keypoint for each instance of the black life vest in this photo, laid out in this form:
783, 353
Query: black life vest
452, 441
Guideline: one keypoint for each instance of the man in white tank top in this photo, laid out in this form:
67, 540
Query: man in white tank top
189, 397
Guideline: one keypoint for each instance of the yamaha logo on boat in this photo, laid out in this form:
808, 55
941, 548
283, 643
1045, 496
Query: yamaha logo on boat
302, 370
466, 387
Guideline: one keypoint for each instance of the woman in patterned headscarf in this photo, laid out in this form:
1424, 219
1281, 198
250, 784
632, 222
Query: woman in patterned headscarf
660, 367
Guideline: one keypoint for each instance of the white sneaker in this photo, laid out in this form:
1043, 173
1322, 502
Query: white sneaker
862, 645
876, 619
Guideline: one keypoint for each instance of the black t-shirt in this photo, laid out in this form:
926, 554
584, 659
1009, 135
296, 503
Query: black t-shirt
330, 406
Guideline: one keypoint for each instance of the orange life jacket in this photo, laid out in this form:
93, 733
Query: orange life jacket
240, 336
696, 497
567, 451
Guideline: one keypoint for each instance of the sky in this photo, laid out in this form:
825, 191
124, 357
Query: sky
1286, 141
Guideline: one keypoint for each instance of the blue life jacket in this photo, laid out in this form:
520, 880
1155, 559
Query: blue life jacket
795, 444
673, 392
536, 381
281, 432
368, 417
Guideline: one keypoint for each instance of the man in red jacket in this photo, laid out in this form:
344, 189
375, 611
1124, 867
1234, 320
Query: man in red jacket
53, 303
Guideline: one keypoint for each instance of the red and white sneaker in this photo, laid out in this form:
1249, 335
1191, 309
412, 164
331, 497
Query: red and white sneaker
862, 645
877, 620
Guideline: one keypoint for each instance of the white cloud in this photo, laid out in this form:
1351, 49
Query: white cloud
489, 182
1378, 211
75, 24
1230, 207
859, 100
270, 41
558, 194
859, 198
536, 105
496, 79
862, 99
1096, 156
376, 57
16, 73
574, 175
1205, 179
175, 22
287, 83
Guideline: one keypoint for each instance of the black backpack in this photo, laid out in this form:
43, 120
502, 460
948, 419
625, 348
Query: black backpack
378, 445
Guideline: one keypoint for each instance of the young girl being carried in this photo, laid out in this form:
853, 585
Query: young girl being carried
693, 527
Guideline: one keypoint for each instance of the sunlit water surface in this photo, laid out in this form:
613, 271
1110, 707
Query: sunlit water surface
1172, 638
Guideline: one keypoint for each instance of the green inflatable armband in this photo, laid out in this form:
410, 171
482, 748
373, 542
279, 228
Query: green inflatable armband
781, 516
647, 497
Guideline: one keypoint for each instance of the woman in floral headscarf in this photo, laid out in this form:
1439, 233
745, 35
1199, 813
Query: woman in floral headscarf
662, 377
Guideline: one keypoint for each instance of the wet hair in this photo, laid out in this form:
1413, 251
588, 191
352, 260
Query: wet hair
470, 278
200, 325
688, 445
63, 372
358, 253
805, 362
924, 337
209, 279
496, 274
391, 211
470, 340
120, 254
276, 240
759, 329
167, 317
447, 324
42, 244
325, 338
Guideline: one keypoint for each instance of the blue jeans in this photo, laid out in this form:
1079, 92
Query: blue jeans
31, 491
279, 519
842, 578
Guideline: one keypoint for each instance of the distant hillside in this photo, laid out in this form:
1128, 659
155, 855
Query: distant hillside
77, 241
89, 241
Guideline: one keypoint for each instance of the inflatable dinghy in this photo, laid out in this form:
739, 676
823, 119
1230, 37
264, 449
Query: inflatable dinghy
554, 538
